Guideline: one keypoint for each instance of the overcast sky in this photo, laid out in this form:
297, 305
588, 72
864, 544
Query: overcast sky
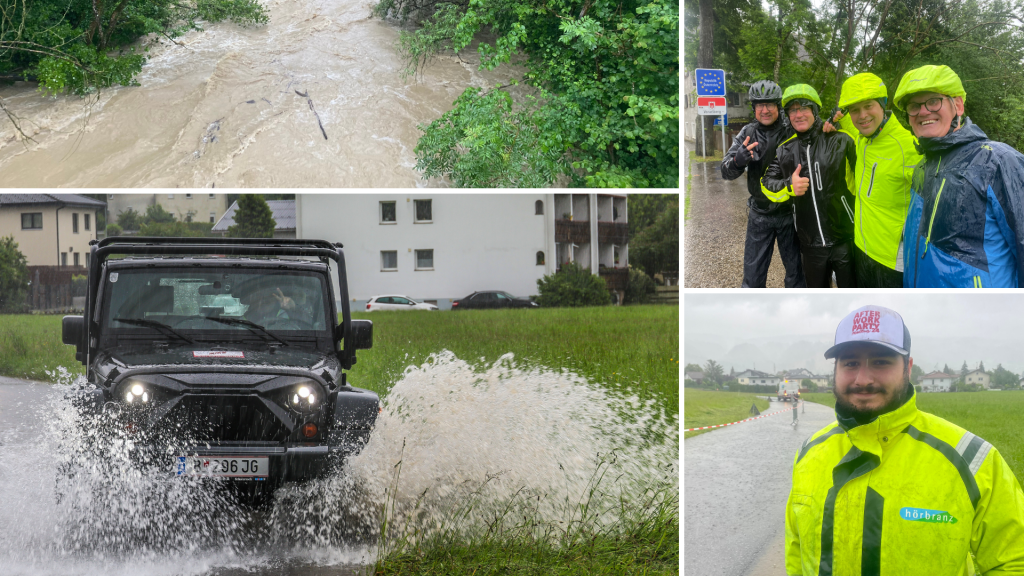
771, 332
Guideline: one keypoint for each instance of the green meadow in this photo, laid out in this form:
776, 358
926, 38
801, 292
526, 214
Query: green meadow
711, 407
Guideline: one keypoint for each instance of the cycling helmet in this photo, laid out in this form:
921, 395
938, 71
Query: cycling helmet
938, 79
862, 87
764, 91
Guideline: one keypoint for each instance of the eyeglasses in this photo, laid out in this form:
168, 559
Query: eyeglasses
932, 105
769, 106
797, 110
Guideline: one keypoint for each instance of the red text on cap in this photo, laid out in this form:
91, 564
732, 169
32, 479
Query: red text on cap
867, 321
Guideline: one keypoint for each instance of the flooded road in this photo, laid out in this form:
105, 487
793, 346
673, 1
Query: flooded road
222, 109
737, 482
488, 445
716, 229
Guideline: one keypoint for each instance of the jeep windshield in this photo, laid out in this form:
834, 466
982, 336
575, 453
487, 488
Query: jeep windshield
183, 305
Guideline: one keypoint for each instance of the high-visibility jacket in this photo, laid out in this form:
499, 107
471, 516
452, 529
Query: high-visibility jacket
908, 494
884, 173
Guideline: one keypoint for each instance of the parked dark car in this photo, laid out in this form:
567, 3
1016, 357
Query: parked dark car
224, 357
492, 299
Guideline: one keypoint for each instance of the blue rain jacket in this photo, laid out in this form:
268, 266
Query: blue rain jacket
965, 226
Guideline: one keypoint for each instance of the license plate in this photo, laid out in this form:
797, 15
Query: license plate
226, 466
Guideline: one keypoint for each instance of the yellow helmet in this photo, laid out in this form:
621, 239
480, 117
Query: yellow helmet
800, 91
938, 79
862, 87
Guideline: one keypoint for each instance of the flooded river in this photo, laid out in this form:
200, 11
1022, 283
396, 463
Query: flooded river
459, 448
222, 109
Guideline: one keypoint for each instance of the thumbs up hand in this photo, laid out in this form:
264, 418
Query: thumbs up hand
800, 183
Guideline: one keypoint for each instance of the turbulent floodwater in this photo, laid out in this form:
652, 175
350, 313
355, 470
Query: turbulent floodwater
454, 440
221, 109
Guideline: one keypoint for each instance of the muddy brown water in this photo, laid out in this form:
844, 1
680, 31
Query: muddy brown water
220, 108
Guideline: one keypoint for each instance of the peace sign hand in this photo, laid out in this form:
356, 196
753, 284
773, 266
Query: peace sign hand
745, 153
285, 302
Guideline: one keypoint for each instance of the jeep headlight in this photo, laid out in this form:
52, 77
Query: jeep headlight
136, 392
304, 397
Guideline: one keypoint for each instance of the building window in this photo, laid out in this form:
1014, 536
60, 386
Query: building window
425, 259
213, 196
170, 196
213, 217
424, 212
88, 224
188, 196
77, 261
388, 260
540, 258
32, 221
74, 222
388, 213
538, 207
63, 258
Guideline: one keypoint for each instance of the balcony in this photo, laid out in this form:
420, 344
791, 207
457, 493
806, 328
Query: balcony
612, 233
615, 278
572, 231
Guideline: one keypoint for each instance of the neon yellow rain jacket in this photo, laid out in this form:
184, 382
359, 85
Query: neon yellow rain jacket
908, 494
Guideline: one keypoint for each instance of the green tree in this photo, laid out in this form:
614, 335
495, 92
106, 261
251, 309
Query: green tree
713, 370
253, 218
809, 384
656, 248
114, 230
963, 372
946, 370
572, 286
916, 374
130, 219
605, 74
13, 276
176, 229
981, 366
693, 368
155, 214
1003, 378
639, 287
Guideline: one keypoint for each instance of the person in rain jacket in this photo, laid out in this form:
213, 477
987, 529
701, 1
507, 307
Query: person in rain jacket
965, 227
768, 222
886, 157
816, 168
889, 490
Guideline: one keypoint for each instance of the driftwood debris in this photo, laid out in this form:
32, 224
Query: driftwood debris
310, 101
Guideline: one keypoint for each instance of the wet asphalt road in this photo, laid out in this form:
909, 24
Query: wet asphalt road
736, 481
716, 228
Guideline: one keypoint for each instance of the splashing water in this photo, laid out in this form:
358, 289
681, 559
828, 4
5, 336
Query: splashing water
457, 447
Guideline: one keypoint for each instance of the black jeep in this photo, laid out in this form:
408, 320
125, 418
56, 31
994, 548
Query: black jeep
223, 356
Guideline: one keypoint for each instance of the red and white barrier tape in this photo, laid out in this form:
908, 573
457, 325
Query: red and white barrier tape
795, 406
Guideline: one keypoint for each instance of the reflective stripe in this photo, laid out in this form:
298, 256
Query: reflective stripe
935, 208
871, 542
808, 444
817, 218
871, 183
853, 465
974, 450
955, 458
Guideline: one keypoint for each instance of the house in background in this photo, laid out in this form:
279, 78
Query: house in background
441, 247
937, 382
697, 377
204, 207
50, 229
757, 378
979, 378
284, 218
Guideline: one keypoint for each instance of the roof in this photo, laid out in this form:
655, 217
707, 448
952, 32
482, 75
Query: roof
937, 375
43, 199
977, 371
758, 374
695, 375
283, 211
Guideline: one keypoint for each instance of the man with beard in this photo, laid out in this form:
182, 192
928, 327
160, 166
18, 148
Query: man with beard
891, 490
753, 150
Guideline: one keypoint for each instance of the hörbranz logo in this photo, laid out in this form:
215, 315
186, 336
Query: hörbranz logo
866, 321
922, 515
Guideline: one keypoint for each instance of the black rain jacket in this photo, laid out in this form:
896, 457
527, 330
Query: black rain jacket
768, 138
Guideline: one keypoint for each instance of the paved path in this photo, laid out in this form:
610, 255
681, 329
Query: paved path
716, 229
736, 481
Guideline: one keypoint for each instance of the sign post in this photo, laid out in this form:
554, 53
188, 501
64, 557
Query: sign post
711, 98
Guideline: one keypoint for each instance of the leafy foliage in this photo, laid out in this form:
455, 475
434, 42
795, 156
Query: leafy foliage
713, 371
639, 287
572, 285
13, 276
79, 46
114, 230
253, 218
155, 214
606, 74
176, 229
129, 219
656, 247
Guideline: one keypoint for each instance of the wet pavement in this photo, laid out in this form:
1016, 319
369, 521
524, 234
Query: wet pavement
716, 229
736, 482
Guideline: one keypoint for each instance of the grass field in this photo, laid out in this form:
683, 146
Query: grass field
619, 348
710, 407
995, 416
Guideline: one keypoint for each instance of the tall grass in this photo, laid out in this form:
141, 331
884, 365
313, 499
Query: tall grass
31, 344
710, 407
995, 416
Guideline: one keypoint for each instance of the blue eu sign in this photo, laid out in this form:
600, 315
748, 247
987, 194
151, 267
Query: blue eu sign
710, 82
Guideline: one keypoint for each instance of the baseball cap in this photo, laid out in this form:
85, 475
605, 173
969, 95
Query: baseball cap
873, 325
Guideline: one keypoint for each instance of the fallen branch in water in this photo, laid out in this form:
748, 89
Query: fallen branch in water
318, 121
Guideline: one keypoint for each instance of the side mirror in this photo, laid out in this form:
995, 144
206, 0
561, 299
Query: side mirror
362, 335
73, 330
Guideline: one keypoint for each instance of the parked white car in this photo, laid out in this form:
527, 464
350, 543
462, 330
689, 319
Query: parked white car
396, 302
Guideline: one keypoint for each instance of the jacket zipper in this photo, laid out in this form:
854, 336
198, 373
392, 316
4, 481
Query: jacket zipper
931, 222
814, 201
871, 183
848, 211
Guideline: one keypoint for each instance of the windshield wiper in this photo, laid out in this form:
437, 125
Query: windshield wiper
252, 326
154, 324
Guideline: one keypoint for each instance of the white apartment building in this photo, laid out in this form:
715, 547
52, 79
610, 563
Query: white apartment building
937, 382
979, 378
756, 378
440, 247
50, 229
